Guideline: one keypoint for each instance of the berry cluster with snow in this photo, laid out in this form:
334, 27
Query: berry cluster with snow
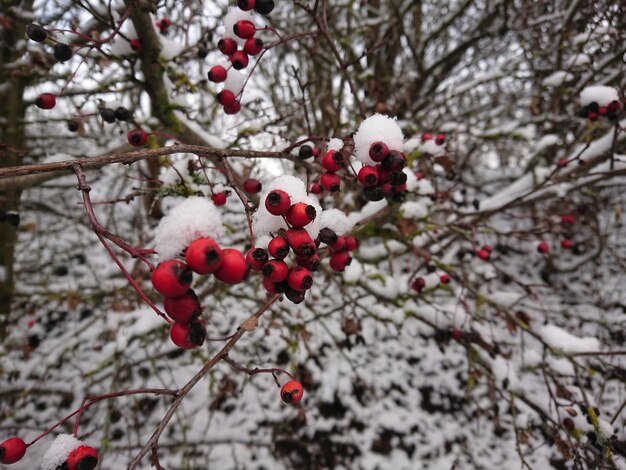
479, 324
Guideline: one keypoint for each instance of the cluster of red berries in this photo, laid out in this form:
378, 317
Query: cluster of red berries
566, 242
593, 111
419, 283
239, 57
250, 185
293, 281
84, 457
387, 178
62, 53
485, 252
172, 279
440, 139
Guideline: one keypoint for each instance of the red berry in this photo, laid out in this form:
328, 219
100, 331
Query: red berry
275, 270
457, 334
489, 248
253, 46
339, 244
316, 188
172, 278
368, 176
256, 258
12, 450
300, 242
333, 161
82, 458
602, 110
204, 256
239, 60
245, 5
299, 278
300, 214
219, 199
217, 74
244, 29
292, 392
568, 219
270, 287
184, 308
567, 244
234, 268
384, 176
592, 116
351, 243
232, 108
278, 247
227, 46
226, 97
378, 151
399, 188
394, 162
543, 247
330, 182
613, 107
418, 284
419, 175
136, 45
339, 260
252, 186
188, 336
562, 162
277, 202
137, 137
440, 139
426, 136
46, 101
444, 279
312, 263
483, 254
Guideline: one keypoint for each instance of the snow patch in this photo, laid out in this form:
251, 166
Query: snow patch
59, 451
377, 128
602, 95
194, 218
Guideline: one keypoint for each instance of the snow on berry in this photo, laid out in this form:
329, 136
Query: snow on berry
194, 218
232, 17
59, 451
337, 221
334, 144
600, 94
377, 128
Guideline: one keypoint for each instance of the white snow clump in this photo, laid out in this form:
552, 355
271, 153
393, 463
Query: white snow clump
602, 95
194, 218
377, 128
59, 451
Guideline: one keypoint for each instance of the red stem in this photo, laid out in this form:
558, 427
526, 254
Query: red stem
95, 399
101, 233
